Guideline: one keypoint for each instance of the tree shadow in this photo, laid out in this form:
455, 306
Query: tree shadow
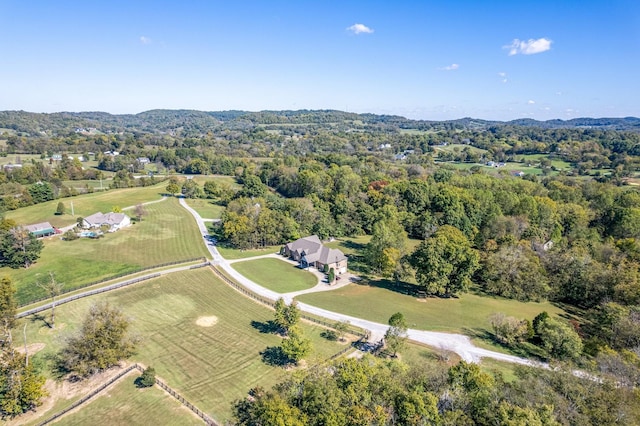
330, 335
268, 327
274, 357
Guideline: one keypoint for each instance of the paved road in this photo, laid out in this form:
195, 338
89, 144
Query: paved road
457, 343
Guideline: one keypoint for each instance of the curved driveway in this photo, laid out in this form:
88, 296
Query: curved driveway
457, 343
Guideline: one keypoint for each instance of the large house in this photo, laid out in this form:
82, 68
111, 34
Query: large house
309, 251
114, 221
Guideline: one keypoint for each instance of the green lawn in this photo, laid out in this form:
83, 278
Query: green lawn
276, 274
124, 404
232, 253
467, 314
85, 205
210, 366
220, 179
207, 209
168, 233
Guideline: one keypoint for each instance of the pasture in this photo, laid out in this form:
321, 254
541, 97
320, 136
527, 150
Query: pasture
233, 253
124, 404
276, 274
207, 209
211, 364
85, 205
167, 233
467, 314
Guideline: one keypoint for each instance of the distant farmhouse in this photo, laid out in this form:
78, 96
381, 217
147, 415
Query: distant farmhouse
310, 251
43, 229
114, 221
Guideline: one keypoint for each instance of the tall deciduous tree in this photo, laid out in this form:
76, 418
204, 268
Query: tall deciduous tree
559, 339
396, 335
515, 271
53, 289
7, 309
21, 387
445, 262
387, 245
296, 346
102, 341
19, 248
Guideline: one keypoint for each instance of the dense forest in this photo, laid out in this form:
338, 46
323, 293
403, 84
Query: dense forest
572, 236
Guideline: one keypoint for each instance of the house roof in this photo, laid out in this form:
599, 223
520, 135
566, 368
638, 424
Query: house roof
39, 227
314, 250
99, 218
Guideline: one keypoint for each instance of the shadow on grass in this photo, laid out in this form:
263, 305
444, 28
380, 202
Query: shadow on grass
330, 335
274, 357
268, 327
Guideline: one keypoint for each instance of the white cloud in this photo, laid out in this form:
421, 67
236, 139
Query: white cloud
145, 40
531, 102
360, 29
528, 47
451, 67
503, 76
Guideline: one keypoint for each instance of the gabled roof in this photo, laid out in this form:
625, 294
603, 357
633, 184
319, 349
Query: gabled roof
108, 218
314, 251
39, 227
307, 244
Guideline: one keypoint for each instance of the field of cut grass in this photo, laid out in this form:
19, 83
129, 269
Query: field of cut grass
124, 404
168, 233
232, 253
467, 314
207, 209
210, 366
276, 274
220, 179
85, 205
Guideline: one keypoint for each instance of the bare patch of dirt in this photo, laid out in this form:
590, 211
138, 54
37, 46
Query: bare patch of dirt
65, 390
209, 321
31, 348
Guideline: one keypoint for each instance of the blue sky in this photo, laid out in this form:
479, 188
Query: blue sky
420, 59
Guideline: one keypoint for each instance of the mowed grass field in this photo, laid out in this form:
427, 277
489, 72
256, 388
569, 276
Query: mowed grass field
210, 366
124, 404
232, 253
276, 274
168, 233
207, 209
467, 314
85, 205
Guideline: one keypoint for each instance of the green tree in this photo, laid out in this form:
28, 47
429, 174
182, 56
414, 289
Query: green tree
514, 271
295, 346
559, 339
102, 341
331, 276
509, 330
147, 378
445, 262
211, 189
387, 246
21, 387
396, 335
173, 188
53, 289
19, 248
285, 316
60, 210
191, 189
341, 328
8, 308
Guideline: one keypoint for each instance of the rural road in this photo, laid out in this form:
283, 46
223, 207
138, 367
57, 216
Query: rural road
456, 343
